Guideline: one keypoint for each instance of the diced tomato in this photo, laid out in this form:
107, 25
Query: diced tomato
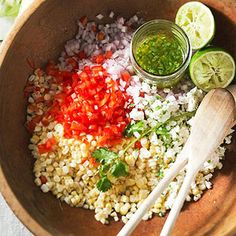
42, 149
77, 126
93, 162
84, 159
104, 100
48, 146
108, 54
43, 179
75, 76
125, 75
138, 145
96, 69
87, 69
99, 59
142, 94
30, 125
45, 121
90, 102
83, 76
51, 69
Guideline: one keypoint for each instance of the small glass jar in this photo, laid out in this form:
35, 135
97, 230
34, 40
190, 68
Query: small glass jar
154, 27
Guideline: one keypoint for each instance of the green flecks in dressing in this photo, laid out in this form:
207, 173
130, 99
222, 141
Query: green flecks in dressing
159, 54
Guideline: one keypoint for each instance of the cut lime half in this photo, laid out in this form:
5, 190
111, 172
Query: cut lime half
198, 22
212, 68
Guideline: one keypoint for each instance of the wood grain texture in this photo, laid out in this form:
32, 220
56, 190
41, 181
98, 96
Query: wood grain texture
40, 36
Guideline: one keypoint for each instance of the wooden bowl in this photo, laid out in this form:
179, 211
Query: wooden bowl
40, 35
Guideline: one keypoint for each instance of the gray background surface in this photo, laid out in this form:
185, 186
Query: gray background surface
9, 223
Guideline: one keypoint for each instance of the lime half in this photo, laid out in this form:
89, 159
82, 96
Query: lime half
198, 22
212, 68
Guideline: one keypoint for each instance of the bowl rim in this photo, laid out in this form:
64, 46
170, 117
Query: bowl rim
17, 208
31, 224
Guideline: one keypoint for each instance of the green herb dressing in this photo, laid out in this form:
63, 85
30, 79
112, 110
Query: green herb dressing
159, 54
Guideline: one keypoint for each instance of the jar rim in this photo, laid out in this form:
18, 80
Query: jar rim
186, 60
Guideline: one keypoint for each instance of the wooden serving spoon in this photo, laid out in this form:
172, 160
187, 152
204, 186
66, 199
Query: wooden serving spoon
212, 122
232, 90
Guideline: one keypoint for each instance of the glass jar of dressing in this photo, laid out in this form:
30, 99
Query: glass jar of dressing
160, 52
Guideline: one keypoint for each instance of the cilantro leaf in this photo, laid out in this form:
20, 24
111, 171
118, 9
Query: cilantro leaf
103, 169
162, 131
104, 155
119, 169
104, 184
136, 127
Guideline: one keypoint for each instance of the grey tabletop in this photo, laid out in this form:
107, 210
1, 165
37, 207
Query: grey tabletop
9, 223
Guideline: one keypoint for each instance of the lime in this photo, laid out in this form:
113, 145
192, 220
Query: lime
212, 68
198, 22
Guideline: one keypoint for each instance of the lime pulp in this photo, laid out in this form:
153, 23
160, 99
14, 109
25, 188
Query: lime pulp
198, 22
212, 68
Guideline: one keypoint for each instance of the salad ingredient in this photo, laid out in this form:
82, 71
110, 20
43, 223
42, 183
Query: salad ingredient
136, 127
106, 157
104, 184
212, 68
198, 22
158, 128
110, 164
48, 146
159, 54
76, 169
89, 102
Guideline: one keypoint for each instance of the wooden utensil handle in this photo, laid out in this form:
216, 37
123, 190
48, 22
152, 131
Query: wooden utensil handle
178, 203
150, 200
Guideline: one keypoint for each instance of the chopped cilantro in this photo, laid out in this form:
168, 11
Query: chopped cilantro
136, 127
104, 169
111, 165
119, 169
104, 155
104, 184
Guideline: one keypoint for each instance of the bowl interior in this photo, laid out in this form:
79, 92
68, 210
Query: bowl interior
42, 38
